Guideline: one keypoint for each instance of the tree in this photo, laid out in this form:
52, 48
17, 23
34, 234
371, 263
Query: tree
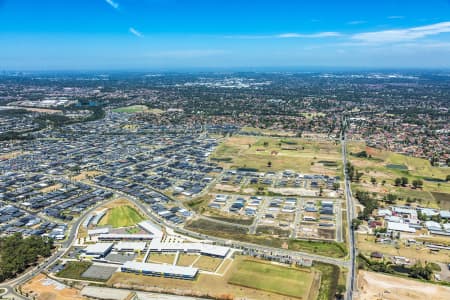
421, 272
359, 175
417, 183
398, 181
373, 180
336, 186
404, 181
269, 164
390, 198
356, 223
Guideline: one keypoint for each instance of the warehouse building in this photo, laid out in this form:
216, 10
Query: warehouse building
130, 246
204, 249
98, 250
160, 270
125, 237
148, 226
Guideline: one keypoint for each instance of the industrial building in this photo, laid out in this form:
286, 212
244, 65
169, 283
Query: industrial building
98, 250
160, 270
204, 249
130, 246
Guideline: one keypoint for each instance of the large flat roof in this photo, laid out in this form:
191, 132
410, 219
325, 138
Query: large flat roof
130, 245
161, 268
151, 228
189, 247
126, 236
98, 248
400, 227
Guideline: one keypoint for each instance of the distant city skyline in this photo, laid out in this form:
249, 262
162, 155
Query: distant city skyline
176, 34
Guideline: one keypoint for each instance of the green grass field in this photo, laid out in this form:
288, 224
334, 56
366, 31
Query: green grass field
278, 279
131, 109
121, 216
284, 153
385, 165
74, 269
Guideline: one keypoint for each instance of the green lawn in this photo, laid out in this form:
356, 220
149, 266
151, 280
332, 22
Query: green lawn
74, 269
329, 280
131, 109
121, 216
277, 279
330, 249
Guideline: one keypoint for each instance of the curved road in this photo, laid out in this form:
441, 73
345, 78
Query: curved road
9, 285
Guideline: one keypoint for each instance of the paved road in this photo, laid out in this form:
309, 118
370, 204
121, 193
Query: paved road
9, 285
235, 244
351, 279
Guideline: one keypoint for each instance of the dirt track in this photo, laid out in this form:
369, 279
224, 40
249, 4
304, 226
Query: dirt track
374, 286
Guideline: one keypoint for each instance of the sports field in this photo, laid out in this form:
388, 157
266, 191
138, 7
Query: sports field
121, 216
273, 278
282, 153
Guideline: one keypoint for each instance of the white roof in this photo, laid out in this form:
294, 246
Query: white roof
152, 228
190, 247
433, 225
98, 231
447, 227
404, 210
429, 212
400, 227
445, 214
160, 268
98, 248
140, 246
395, 219
125, 236
384, 212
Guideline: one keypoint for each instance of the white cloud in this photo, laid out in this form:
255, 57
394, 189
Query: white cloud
401, 35
358, 22
113, 4
187, 53
396, 17
288, 35
312, 35
135, 32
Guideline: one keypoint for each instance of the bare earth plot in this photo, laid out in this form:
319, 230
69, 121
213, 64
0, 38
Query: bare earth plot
44, 288
373, 286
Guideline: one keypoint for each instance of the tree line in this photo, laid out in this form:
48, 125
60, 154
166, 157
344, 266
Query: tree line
18, 253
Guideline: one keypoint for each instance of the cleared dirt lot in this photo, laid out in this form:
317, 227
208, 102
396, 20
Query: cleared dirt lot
373, 286
44, 288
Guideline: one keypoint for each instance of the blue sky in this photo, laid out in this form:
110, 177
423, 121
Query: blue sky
179, 34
